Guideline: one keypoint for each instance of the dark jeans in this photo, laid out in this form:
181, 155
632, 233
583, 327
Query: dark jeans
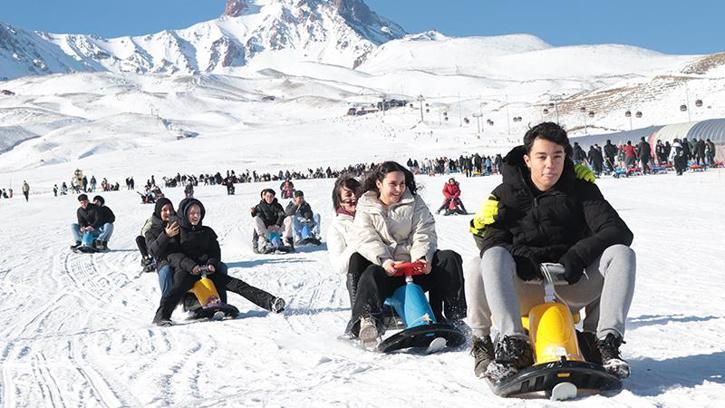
184, 281
444, 284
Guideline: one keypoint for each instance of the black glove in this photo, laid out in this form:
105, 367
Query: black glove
573, 267
526, 268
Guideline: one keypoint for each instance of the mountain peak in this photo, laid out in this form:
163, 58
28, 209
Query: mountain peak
235, 8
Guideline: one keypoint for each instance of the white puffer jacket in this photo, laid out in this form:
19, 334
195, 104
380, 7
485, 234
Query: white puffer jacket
339, 247
403, 232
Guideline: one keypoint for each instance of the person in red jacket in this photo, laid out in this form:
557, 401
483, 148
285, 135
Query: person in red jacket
630, 154
452, 202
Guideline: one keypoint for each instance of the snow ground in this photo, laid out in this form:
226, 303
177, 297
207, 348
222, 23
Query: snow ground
75, 330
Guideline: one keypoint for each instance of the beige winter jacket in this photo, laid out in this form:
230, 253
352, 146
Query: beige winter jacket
403, 232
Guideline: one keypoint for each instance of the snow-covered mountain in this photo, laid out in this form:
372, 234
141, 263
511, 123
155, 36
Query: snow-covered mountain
300, 65
339, 32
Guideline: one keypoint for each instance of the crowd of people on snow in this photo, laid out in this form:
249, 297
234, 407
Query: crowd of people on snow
626, 159
642, 158
546, 210
81, 183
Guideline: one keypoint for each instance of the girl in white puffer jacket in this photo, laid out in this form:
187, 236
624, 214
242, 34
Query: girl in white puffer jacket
392, 225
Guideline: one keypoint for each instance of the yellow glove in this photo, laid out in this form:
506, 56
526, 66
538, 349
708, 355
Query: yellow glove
584, 173
485, 215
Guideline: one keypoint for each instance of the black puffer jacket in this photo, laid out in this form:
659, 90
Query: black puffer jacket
304, 210
158, 243
105, 215
88, 216
572, 216
198, 243
271, 214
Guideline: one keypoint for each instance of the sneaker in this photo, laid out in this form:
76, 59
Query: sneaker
277, 305
76, 245
368, 333
482, 351
511, 355
611, 359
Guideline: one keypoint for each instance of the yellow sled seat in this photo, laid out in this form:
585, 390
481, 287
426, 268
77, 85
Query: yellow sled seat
205, 291
553, 334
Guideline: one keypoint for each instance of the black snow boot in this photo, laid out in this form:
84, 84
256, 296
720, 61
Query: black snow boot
611, 359
512, 354
482, 351
76, 245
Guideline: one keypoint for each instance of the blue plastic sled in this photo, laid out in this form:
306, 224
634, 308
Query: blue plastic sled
421, 327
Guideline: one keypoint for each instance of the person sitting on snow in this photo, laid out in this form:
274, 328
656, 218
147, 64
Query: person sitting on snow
452, 203
393, 225
299, 214
193, 247
88, 220
287, 188
269, 216
106, 218
545, 212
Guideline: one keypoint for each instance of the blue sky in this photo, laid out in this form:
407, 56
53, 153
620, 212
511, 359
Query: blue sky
677, 27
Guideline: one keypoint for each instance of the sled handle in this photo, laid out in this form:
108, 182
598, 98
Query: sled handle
409, 269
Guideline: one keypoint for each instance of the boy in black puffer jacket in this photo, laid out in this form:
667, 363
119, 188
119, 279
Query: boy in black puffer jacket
544, 213
198, 247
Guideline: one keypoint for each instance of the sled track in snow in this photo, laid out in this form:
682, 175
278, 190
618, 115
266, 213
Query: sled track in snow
103, 391
46, 381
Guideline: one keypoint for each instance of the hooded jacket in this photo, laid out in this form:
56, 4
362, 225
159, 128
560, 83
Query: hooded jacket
158, 243
571, 217
404, 231
198, 244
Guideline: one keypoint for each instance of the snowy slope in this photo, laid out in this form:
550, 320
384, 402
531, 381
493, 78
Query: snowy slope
75, 329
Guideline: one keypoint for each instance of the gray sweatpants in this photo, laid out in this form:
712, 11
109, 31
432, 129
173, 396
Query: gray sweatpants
495, 293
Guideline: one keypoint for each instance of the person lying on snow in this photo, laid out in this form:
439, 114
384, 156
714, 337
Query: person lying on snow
194, 247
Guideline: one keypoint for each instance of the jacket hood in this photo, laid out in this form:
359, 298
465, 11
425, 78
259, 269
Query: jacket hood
184, 207
515, 172
160, 203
